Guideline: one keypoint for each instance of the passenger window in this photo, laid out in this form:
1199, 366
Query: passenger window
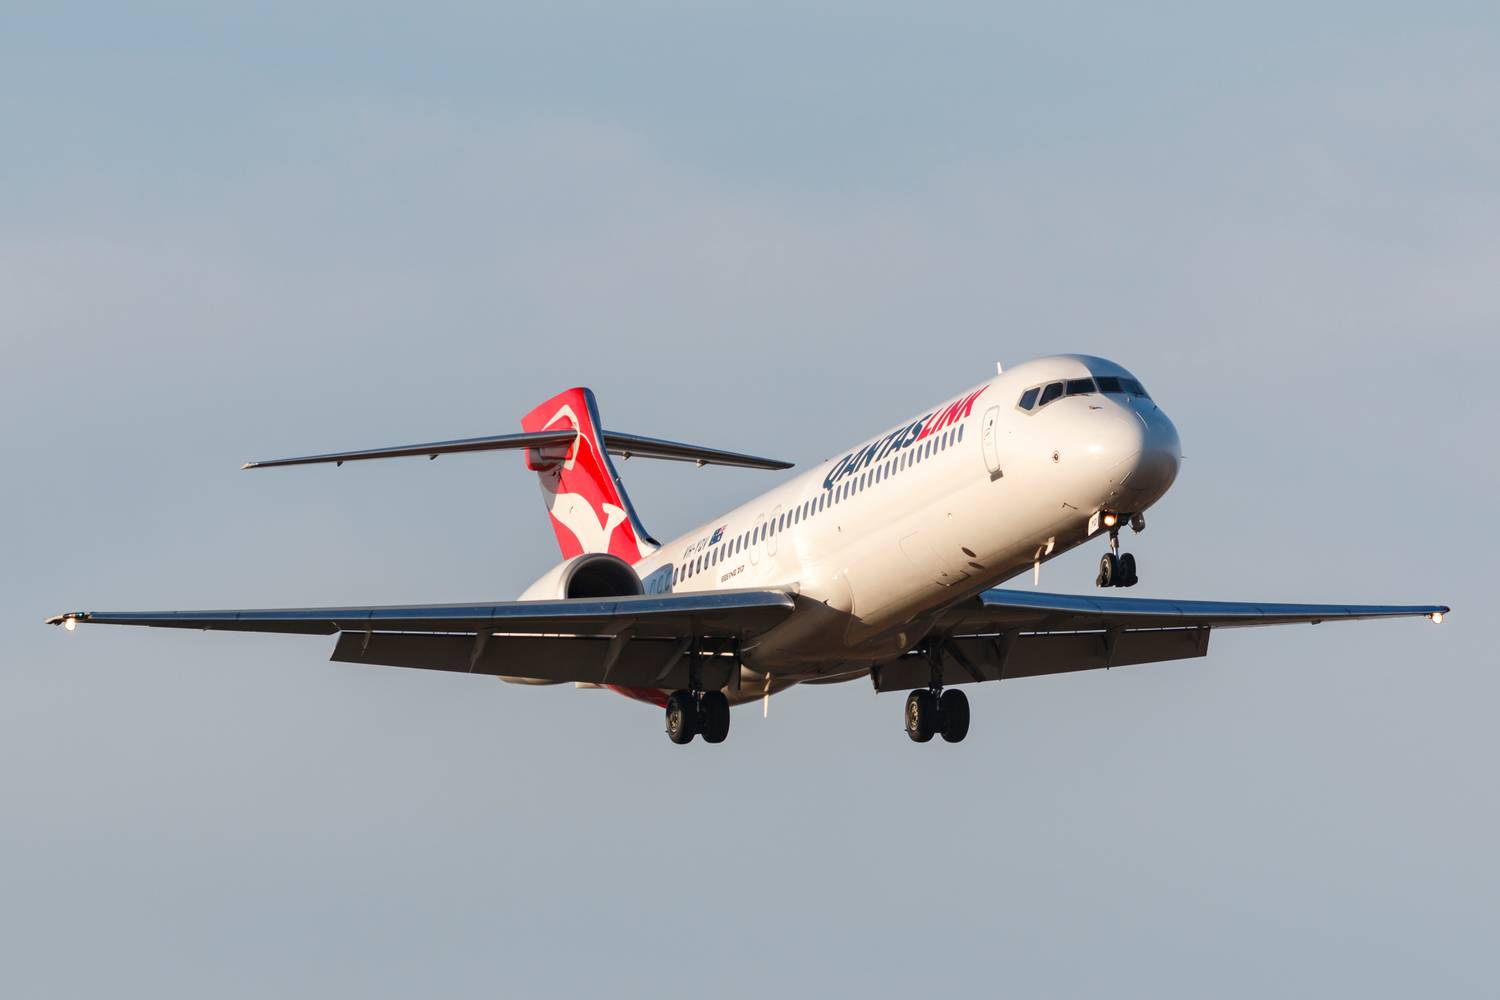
1028, 398
1053, 391
1080, 386
1109, 383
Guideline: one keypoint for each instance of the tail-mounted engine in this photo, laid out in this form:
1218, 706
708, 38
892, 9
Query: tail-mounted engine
593, 574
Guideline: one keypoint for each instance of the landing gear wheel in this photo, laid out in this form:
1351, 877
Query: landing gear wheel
714, 707
953, 715
1109, 571
921, 715
682, 717
1127, 571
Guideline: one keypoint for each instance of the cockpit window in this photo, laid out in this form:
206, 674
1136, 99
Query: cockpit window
1036, 397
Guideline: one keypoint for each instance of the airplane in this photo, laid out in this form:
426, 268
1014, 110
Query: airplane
880, 564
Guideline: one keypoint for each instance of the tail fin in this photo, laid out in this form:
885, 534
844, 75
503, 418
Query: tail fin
590, 511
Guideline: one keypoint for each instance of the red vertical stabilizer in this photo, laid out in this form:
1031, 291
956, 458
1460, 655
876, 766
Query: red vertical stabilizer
585, 498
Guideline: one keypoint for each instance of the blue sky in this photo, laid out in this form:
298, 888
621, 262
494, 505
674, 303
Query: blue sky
296, 228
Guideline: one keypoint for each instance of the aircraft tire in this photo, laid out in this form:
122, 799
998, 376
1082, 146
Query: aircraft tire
953, 715
921, 715
715, 716
1109, 571
682, 717
1127, 571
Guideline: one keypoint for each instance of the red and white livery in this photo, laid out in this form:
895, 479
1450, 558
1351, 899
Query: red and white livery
880, 564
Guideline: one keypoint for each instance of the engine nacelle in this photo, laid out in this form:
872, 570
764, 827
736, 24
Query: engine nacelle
593, 574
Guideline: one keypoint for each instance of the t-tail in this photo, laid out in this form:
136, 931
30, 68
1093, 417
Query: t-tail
568, 449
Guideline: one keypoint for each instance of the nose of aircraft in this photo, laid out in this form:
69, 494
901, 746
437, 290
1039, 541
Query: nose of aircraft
1147, 452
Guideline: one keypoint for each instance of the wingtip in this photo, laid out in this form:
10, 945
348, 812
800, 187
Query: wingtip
68, 621
249, 465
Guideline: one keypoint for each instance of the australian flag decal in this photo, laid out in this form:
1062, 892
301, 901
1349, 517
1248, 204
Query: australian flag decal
716, 537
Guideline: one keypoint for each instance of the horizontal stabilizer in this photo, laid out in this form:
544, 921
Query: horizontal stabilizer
624, 445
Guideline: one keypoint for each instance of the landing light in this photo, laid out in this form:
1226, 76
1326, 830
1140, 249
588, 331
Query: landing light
70, 623
1111, 519
1437, 617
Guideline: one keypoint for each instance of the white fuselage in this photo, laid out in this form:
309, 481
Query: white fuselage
878, 540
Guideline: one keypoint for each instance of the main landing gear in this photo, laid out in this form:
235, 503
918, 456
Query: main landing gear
1115, 569
933, 711
689, 715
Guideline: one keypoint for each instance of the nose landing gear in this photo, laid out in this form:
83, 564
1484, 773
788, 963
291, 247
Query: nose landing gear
1115, 569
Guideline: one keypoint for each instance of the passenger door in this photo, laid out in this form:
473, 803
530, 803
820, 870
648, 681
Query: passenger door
989, 442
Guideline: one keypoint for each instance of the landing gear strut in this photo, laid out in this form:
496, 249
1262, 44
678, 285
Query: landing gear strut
933, 711
690, 714
1115, 569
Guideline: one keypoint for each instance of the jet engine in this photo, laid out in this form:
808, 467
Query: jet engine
593, 574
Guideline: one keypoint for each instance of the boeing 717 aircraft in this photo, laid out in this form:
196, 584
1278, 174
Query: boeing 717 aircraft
880, 564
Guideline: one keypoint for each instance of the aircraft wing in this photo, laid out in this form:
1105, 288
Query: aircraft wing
711, 613
646, 641
1009, 633
999, 610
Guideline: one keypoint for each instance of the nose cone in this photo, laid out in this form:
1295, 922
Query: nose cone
1150, 454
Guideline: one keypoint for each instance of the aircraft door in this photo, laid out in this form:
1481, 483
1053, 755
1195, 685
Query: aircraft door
989, 443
